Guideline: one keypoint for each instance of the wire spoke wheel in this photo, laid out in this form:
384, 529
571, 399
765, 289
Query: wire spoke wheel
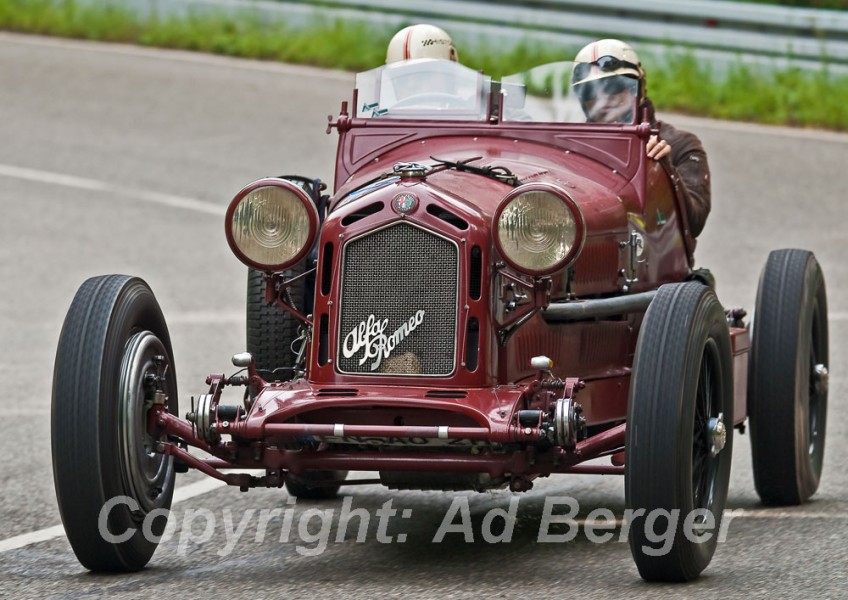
788, 378
709, 436
818, 387
678, 441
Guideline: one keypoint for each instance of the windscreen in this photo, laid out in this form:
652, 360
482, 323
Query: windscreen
423, 89
567, 92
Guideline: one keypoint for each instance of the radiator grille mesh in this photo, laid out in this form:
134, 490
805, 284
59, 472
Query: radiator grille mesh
399, 303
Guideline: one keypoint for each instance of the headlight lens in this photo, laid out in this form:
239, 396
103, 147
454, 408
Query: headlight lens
538, 229
271, 224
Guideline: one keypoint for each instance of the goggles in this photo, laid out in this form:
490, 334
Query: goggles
606, 64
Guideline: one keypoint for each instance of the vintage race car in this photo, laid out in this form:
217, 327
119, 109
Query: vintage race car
495, 291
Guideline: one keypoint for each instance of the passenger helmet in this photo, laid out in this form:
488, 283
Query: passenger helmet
607, 74
421, 41
606, 58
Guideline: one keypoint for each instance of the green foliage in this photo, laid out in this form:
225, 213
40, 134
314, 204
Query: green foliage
68, 19
791, 97
679, 83
526, 55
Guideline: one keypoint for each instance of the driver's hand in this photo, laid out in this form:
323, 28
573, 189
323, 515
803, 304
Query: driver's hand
657, 148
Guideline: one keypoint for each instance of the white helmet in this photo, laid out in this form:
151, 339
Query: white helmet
606, 58
608, 79
421, 41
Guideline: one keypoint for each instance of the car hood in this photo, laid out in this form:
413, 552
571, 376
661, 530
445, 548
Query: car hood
601, 192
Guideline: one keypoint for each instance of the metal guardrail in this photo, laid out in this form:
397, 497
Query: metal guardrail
720, 31
733, 27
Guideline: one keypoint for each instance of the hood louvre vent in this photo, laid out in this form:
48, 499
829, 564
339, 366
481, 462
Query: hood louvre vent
365, 211
337, 392
448, 217
447, 394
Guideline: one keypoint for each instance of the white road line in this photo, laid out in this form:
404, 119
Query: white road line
185, 56
765, 513
336, 75
42, 535
738, 513
83, 183
840, 316
181, 494
204, 486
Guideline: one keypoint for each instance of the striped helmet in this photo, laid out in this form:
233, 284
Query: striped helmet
421, 41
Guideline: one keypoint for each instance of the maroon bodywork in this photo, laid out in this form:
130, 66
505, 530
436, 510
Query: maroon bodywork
469, 420
493, 292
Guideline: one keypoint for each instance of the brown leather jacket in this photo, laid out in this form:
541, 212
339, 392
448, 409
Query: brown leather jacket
689, 160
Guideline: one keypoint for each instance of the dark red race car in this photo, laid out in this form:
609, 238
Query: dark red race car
494, 292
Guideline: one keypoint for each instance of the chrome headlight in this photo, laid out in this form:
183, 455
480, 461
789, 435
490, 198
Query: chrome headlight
271, 224
538, 229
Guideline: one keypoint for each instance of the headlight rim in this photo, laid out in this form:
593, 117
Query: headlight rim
571, 205
311, 210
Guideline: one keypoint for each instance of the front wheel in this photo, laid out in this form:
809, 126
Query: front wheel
679, 433
315, 485
113, 362
787, 380
272, 331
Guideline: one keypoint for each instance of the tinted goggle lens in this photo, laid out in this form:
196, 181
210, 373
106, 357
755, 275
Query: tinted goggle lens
607, 64
607, 85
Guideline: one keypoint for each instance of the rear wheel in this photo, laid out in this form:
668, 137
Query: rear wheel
114, 360
679, 433
787, 380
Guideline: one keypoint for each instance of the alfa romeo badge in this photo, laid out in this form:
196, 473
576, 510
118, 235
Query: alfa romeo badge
405, 202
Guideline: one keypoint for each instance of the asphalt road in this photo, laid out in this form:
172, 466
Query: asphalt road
121, 160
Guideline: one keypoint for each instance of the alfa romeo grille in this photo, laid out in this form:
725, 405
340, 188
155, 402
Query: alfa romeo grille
399, 303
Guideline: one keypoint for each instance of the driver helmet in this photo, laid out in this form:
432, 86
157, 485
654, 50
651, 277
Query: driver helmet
421, 41
603, 69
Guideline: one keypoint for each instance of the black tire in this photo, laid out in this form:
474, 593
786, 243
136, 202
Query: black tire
300, 486
787, 378
102, 452
271, 331
681, 389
